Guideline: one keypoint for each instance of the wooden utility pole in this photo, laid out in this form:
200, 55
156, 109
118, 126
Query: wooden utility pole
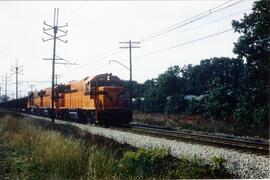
56, 28
16, 70
6, 79
130, 43
54, 37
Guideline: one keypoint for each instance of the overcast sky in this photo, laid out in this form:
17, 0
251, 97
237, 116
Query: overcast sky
95, 29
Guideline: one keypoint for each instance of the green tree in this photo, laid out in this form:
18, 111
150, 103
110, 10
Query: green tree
198, 78
254, 47
224, 79
254, 43
220, 101
137, 88
170, 82
175, 104
153, 102
157, 90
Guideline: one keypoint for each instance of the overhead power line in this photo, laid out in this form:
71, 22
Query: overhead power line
219, 19
166, 30
36, 81
114, 51
183, 44
93, 70
191, 20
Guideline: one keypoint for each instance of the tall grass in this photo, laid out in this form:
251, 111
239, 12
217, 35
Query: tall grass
49, 151
35, 153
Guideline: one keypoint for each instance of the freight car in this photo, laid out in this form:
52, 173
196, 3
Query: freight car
100, 100
20, 104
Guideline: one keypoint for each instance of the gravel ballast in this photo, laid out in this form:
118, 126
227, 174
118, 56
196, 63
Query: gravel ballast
241, 164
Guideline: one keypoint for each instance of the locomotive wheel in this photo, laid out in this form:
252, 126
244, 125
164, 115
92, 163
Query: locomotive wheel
89, 117
66, 116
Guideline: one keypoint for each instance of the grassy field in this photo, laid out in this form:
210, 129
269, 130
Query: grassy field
35, 149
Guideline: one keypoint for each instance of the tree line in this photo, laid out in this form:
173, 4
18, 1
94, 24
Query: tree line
226, 88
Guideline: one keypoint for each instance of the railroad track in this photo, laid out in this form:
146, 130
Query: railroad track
237, 144
261, 147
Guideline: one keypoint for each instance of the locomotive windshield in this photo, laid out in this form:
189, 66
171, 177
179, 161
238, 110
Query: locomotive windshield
109, 83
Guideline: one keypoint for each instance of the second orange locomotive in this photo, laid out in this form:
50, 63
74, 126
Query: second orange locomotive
101, 99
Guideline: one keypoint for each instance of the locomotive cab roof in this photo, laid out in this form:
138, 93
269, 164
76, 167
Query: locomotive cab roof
105, 80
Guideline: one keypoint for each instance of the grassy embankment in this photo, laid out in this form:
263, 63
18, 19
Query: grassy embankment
34, 149
197, 123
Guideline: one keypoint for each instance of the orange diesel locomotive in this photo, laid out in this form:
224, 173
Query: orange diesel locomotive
101, 99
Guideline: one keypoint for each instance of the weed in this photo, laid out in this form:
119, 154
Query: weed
144, 163
40, 152
217, 167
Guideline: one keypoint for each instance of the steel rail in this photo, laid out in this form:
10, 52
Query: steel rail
261, 148
238, 144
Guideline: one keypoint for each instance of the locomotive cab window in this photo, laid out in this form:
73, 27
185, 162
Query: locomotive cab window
87, 89
92, 89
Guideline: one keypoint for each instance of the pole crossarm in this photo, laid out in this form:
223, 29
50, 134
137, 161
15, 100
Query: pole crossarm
66, 31
66, 25
47, 25
64, 41
44, 40
62, 36
133, 42
48, 34
57, 58
47, 29
131, 47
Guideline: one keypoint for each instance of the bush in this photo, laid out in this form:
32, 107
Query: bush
220, 102
144, 163
252, 110
175, 104
153, 102
194, 107
217, 168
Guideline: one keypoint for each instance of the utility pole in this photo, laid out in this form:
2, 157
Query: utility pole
130, 46
57, 76
1, 100
56, 28
6, 79
20, 93
16, 70
31, 86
